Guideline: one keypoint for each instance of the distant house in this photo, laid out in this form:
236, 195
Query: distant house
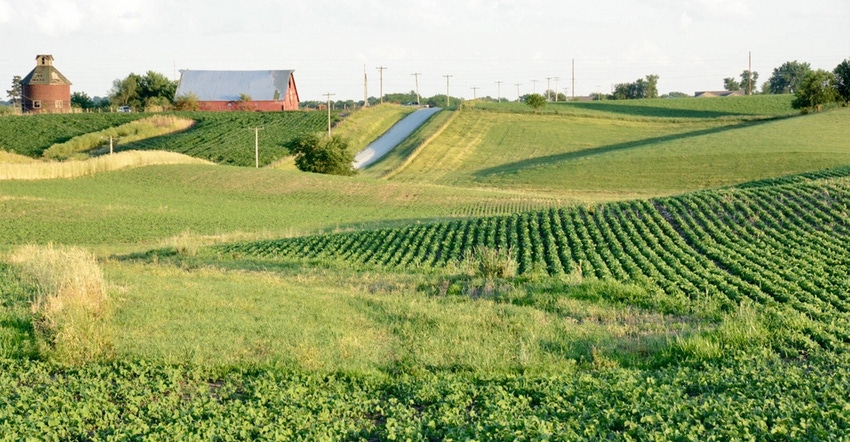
710, 94
240, 90
45, 89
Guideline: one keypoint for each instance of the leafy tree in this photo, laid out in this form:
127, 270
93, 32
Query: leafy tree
321, 154
535, 101
154, 85
731, 84
787, 78
82, 101
745, 81
14, 94
642, 88
126, 92
817, 89
188, 102
651, 90
842, 80
137, 91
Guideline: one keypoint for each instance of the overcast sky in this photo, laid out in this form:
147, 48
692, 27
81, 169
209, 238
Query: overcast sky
690, 44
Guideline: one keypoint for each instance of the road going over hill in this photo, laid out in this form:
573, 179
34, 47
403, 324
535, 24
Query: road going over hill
393, 137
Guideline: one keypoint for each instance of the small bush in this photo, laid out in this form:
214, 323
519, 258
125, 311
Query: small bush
70, 306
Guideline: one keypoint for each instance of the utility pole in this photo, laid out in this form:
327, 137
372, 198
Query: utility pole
574, 79
548, 88
750, 75
475, 92
534, 86
418, 98
329, 95
256, 146
447, 88
499, 93
517, 91
556, 88
111, 144
365, 88
381, 68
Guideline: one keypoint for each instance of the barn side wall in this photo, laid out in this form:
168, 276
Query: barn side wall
53, 99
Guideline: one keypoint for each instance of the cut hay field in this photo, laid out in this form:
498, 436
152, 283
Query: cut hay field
486, 288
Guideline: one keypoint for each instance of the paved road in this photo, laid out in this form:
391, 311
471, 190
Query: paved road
393, 137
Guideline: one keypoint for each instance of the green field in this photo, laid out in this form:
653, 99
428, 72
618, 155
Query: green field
613, 159
676, 271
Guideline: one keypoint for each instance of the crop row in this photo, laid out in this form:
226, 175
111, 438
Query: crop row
229, 137
763, 399
32, 134
782, 245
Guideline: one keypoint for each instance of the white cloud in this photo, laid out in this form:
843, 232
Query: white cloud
736, 8
54, 17
5, 12
685, 20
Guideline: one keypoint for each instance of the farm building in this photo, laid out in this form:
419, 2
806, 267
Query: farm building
710, 94
240, 90
45, 89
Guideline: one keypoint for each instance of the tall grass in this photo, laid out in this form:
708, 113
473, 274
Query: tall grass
42, 170
126, 133
71, 307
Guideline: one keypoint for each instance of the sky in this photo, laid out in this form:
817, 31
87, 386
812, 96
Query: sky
527, 45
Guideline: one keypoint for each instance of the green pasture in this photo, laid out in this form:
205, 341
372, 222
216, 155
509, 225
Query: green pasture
147, 205
614, 159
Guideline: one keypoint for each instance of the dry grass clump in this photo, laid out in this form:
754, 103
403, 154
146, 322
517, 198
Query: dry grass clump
489, 262
71, 307
42, 170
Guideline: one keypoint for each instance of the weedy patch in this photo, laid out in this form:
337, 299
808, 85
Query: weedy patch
70, 306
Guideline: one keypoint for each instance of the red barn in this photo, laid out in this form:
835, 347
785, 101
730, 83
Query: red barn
240, 90
45, 89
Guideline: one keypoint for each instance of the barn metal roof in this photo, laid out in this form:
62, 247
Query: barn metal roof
229, 85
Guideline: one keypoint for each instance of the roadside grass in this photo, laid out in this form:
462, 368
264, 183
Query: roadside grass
82, 146
142, 206
367, 125
395, 160
582, 157
42, 170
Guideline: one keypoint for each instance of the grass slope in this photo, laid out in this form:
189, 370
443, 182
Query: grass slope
758, 106
611, 158
148, 204
366, 125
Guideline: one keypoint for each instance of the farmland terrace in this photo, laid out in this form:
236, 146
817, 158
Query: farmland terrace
651, 270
